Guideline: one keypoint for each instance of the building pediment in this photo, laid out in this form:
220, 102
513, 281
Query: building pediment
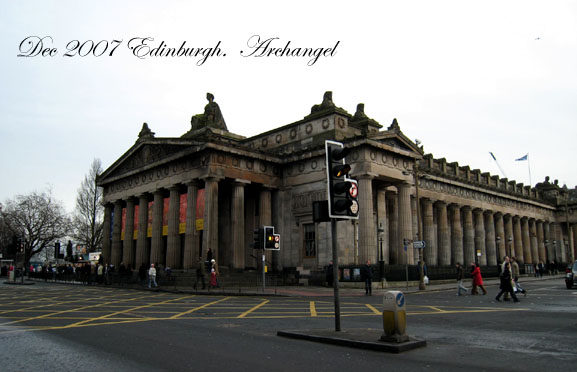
147, 154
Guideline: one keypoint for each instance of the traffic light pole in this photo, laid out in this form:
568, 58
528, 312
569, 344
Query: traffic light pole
263, 271
336, 275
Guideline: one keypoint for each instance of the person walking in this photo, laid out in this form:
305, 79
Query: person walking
506, 284
477, 279
460, 278
515, 274
367, 277
152, 276
200, 274
329, 274
142, 274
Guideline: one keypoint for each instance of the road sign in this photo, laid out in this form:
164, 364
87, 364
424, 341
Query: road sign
419, 244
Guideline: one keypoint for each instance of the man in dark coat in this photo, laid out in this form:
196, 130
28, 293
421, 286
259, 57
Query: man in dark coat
367, 277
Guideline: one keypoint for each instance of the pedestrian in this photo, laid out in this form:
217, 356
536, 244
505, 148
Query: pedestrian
213, 280
200, 274
367, 277
142, 274
515, 275
506, 284
506, 260
329, 274
209, 259
477, 279
460, 278
540, 268
152, 276
100, 273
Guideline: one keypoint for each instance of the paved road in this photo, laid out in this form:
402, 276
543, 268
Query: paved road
56, 327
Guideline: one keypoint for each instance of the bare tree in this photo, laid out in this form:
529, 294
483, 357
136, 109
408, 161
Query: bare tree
37, 219
88, 217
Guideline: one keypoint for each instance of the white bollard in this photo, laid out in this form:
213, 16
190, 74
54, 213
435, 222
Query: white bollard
394, 317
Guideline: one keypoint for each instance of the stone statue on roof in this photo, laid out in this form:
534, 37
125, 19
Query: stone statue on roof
212, 116
145, 132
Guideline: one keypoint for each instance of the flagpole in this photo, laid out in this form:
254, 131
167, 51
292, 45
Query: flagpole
529, 167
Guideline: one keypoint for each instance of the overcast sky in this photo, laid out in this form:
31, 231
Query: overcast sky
464, 77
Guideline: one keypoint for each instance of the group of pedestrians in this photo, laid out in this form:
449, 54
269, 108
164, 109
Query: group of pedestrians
508, 278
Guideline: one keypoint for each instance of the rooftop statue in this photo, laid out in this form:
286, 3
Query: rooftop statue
327, 103
212, 116
145, 132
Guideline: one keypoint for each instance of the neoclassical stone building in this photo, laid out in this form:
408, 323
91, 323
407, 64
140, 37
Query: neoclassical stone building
168, 200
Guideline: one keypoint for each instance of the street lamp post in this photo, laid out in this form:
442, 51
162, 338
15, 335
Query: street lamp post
422, 285
381, 232
510, 240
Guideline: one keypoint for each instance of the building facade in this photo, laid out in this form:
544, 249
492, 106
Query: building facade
169, 200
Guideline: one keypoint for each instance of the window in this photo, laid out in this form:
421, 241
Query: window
309, 240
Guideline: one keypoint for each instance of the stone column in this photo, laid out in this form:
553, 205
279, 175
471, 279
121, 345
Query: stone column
541, 242
501, 237
367, 229
173, 237
490, 239
382, 224
106, 233
517, 240
457, 235
469, 235
533, 239
405, 221
191, 254
548, 241
238, 224
430, 251
480, 237
156, 250
128, 245
574, 240
444, 243
396, 249
116, 253
142, 254
210, 233
509, 235
526, 238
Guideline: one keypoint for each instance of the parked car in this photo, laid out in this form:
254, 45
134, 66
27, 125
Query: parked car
571, 275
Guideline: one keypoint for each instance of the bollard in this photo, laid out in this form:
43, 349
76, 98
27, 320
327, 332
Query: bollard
394, 317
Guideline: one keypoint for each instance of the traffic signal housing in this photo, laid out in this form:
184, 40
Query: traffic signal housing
258, 240
342, 190
269, 237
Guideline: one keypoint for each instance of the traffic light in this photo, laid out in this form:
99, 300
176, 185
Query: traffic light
269, 237
342, 190
277, 242
258, 240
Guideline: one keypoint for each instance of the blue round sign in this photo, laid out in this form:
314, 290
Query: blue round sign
400, 300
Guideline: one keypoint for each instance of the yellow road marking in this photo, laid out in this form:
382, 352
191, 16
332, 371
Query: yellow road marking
436, 309
199, 308
65, 311
124, 311
313, 309
374, 309
254, 309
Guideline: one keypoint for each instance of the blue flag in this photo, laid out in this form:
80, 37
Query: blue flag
522, 158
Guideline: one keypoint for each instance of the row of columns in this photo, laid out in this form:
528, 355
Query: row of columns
115, 250
458, 234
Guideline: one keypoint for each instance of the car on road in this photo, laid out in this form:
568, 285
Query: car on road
571, 275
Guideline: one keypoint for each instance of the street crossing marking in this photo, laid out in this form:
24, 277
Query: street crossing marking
254, 309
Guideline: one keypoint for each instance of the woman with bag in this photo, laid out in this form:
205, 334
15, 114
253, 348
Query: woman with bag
506, 284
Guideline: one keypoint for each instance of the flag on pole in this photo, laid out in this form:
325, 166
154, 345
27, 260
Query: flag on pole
523, 158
